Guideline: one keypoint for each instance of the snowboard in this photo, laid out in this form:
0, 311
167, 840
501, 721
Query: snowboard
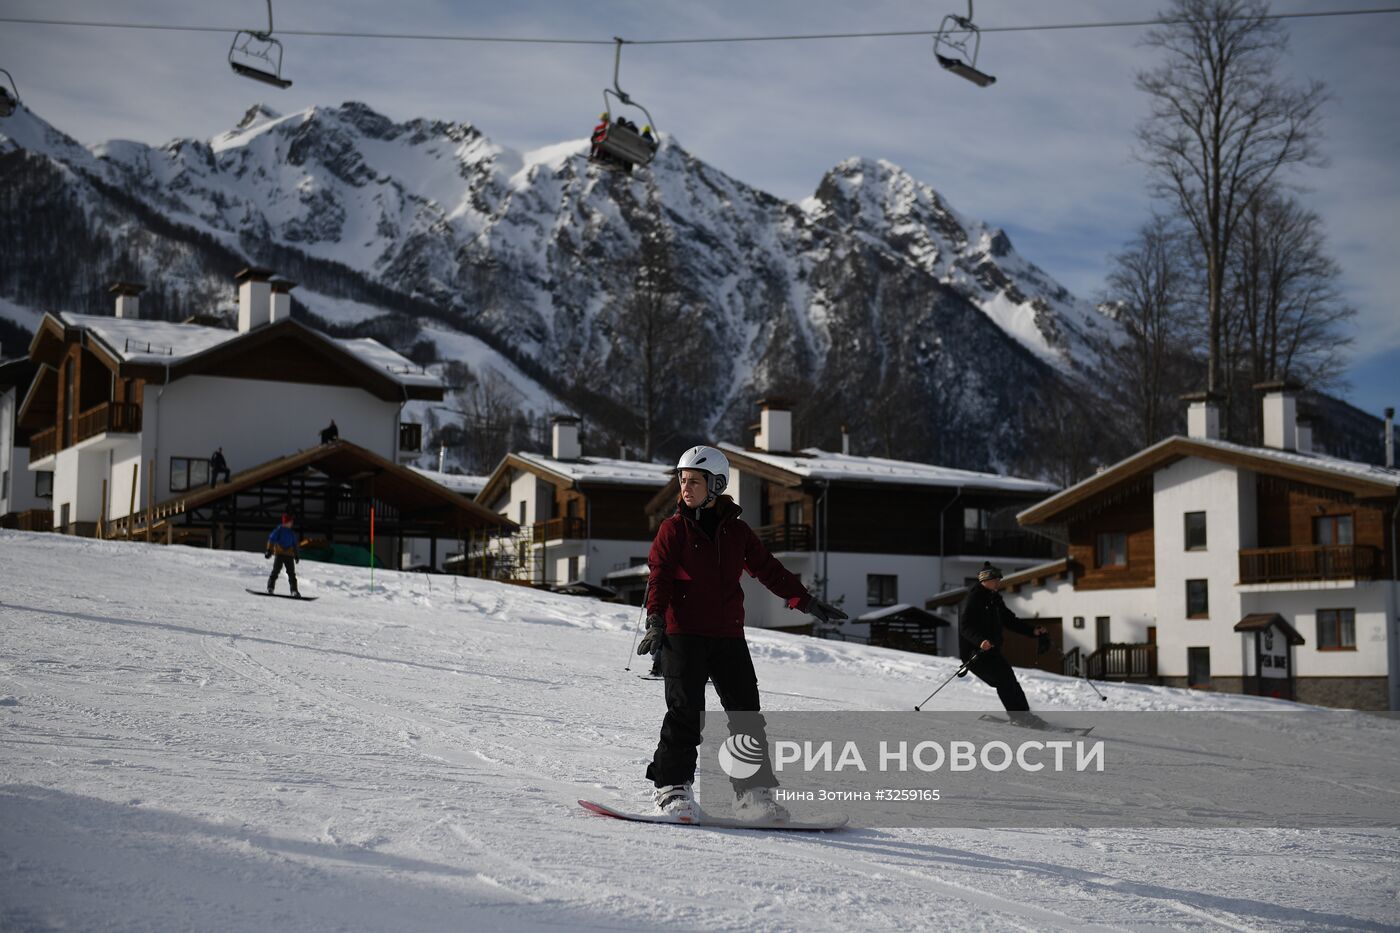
651, 677
300, 599
824, 823
1048, 727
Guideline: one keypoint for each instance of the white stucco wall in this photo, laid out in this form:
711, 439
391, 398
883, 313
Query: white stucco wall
1299, 607
18, 496
1129, 612
256, 421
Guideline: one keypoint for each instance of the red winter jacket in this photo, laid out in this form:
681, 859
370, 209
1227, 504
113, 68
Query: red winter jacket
695, 579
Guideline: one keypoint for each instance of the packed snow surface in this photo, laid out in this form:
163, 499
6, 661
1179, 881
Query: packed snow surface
177, 754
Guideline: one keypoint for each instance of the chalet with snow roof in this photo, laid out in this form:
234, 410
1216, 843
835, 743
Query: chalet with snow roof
869, 531
1263, 570
581, 517
124, 413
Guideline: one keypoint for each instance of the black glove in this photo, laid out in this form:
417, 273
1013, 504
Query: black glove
267, 555
1043, 643
824, 611
655, 638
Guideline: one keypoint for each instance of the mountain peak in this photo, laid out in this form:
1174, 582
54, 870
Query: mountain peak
258, 113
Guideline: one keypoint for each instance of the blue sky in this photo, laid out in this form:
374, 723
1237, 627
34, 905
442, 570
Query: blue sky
1046, 153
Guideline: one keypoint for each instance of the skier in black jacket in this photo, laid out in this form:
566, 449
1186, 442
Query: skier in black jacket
982, 621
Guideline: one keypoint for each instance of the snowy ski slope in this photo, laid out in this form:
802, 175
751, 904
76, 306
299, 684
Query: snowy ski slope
178, 755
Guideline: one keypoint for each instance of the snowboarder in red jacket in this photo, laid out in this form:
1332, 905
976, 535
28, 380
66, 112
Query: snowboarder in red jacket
695, 612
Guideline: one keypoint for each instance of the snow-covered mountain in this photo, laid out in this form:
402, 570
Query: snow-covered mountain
872, 300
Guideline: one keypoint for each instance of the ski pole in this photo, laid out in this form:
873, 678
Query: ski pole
1091, 685
633, 650
966, 666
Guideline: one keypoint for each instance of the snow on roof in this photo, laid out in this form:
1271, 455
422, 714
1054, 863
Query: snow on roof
134, 340
1314, 461
138, 341
877, 614
465, 484
814, 463
599, 470
399, 367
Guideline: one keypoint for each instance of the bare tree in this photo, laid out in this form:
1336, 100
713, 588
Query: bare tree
487, 410
1288, 312
1143, 368
1221, 127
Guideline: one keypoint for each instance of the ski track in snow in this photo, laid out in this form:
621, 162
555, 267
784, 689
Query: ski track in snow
176, 755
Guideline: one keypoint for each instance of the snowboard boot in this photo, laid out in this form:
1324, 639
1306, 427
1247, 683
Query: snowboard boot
1027, 719
678, 802
296, 594
756, 805
269, 589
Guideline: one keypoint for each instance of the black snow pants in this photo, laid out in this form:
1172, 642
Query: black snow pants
993, 670
278, 562
687, 662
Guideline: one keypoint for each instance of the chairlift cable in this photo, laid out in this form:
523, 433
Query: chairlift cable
702, 40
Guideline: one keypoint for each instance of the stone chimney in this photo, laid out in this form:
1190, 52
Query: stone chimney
564, 431
1390, 438
774, 425
1304, 430
1203, 415
1280, 414
254, 298
281, 308
128, 299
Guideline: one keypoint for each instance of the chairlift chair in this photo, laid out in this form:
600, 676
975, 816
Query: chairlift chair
9, 97
956, 45
616, 146
256, 54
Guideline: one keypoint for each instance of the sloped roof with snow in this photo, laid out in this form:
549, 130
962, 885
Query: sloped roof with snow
814, 463
465, 484
603, 470
1360, 479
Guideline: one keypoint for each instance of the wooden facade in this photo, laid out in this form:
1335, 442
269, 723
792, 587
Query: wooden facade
1130, 515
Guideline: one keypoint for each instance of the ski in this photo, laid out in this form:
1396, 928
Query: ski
651, 677
1041, 727
823, 823
303, 599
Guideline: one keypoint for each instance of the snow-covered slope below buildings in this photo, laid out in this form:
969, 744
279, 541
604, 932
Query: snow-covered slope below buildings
873, 294
177, 754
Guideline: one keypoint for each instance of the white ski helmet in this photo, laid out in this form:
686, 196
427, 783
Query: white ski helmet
708, 460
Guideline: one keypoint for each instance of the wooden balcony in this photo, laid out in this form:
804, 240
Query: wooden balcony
1003, 543
1124, 662
785, 537
31, 520
43, 444
109, 417
557, 529
1315, 562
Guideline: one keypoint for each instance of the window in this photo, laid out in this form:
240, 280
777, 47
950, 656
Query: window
64, 511
792, 513
1101, 631
1332, 529
573, 570
1336, 630
1198, 667
1195, 531
1112, 550
188, 473
43, 484
521, 519
976, 519
881, 589
1197, 599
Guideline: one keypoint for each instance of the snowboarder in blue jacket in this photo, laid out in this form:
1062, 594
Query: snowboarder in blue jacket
283, 543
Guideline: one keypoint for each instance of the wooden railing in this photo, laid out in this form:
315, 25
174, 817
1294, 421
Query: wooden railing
30, 520
410, 437
115, 417
1072, 664
785, 537
557, 528
1122, 662
43, 444
1318, 562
